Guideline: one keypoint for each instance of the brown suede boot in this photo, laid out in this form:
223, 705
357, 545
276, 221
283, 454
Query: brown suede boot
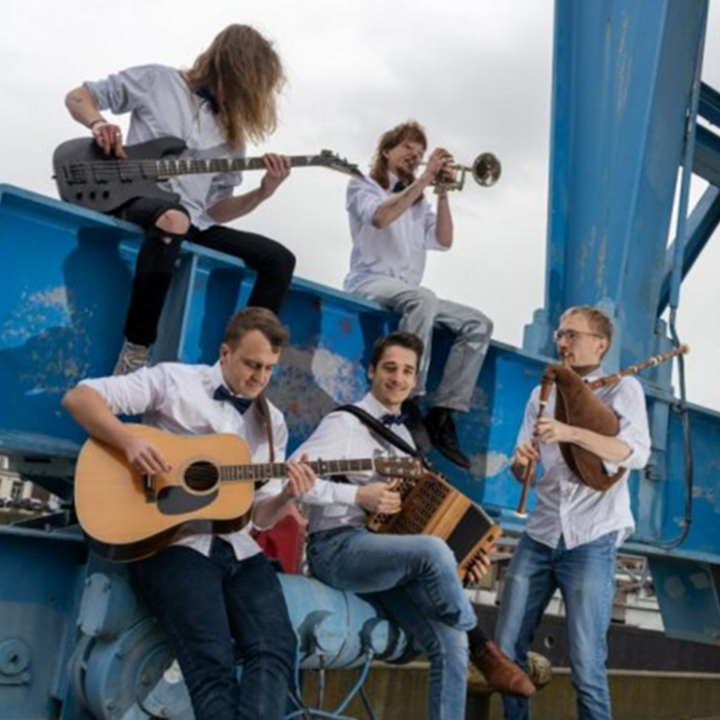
501, 673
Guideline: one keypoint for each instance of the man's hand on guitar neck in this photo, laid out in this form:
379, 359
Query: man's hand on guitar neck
277, 170
300, 478
380, 497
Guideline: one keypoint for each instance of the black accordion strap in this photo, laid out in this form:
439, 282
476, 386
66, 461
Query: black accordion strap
382, 430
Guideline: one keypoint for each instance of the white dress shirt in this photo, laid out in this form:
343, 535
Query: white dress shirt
567, 507
342, 436
161, 103
178, 399
397, 251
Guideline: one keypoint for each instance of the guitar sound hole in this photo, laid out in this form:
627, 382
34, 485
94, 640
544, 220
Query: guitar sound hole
201, 476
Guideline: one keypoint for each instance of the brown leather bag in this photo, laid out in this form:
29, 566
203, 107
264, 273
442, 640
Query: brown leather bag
577, 405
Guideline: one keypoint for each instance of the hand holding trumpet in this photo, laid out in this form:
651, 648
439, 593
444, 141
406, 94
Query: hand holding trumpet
439, 167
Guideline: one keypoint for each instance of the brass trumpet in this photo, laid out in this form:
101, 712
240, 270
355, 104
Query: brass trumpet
485, 170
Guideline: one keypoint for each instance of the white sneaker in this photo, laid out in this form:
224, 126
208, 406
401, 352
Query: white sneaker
132, 357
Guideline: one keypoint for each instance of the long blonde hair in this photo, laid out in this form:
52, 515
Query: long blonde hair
244, 75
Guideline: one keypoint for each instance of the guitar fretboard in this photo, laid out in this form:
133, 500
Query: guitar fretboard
164, 168
265, 471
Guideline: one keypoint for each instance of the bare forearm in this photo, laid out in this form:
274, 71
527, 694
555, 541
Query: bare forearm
81, 104
444, 225
606, 448
236, 206
391, 209
90, 411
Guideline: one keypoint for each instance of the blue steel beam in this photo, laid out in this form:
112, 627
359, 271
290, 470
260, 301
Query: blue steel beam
701, 225
332, 334
709, 106
623, 74
707, 155
626, 77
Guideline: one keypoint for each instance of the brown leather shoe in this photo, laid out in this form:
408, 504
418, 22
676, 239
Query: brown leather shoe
501, 673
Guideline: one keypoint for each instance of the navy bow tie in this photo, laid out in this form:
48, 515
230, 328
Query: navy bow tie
241, 404
399, 186
390, 419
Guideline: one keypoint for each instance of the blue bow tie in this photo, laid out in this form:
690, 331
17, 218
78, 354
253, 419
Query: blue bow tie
399, 186
241, 404
390, 419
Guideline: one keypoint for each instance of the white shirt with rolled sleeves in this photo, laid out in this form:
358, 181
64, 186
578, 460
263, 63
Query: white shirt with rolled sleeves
398, 251
342, 436
161, 104
178, 399
567, 507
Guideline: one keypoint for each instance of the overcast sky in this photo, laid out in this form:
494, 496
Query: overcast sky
476, 73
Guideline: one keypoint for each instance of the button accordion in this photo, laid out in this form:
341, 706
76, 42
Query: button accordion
431, 506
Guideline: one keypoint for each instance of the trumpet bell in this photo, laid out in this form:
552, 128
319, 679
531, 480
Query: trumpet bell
486, 169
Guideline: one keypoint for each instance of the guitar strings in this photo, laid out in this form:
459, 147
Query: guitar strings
275, 469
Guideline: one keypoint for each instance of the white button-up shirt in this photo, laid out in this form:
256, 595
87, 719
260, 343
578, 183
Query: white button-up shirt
567, 507
397, 251
178, 399
342, 436
161, 103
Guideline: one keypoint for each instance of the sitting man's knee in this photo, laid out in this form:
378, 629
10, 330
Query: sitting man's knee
436, 550
286, 260
174, 222
425, 299
480, 326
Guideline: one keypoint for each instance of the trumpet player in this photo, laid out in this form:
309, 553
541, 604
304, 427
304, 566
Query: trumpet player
393, 225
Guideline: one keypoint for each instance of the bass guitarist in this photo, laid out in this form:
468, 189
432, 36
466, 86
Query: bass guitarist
227, 98
213, 594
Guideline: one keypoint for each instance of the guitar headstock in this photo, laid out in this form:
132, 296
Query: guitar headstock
330, 160
403, 467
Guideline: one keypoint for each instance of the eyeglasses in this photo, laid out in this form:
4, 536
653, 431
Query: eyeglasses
572, 335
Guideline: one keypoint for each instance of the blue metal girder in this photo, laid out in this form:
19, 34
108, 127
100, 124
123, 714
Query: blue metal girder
701, 225
623, 75
332, 334
709, 105
707, 155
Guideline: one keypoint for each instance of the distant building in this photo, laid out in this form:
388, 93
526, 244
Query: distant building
11, 486
14, 490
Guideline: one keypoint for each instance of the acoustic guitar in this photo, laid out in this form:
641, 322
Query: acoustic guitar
86, 176
128, 515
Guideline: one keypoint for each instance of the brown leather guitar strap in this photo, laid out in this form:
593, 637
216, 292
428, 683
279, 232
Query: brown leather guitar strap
264, 410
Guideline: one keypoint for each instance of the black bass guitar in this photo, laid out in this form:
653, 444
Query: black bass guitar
87, 177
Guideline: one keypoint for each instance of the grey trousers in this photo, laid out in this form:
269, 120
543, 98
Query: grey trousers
421, 309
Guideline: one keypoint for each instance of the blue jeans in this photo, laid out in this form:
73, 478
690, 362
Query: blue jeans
414, 578
216, 610
585, 576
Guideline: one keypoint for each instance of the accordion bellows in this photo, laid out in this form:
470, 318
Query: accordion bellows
431, 506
